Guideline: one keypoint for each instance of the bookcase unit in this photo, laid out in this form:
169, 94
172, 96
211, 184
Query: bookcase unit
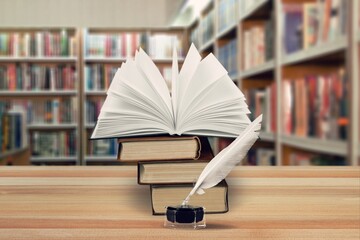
39, 74
266, 69
104, 50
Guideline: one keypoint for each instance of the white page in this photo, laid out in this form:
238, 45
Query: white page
152, 73
188, 69
208, 71
174, 84
143, 91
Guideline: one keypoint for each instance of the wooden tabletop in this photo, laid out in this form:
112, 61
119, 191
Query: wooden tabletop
106, 203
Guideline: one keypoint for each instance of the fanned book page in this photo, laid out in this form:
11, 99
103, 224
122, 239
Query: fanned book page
203, 100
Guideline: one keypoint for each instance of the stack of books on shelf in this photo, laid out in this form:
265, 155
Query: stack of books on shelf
228, 57
310, 24
37, 44
161, 45
120, 45
92, 109
227, 13
171, 165
261, 157
98, 76
195, 36
124, 44
309, 159
53, 144
12, 128
37, 77
263, 101
258, 43
315, 106
54, 111
102, 147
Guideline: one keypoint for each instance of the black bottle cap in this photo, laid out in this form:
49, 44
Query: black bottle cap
184, 214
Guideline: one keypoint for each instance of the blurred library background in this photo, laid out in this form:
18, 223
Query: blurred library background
296, 61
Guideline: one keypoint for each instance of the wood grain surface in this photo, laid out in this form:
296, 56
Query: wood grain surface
106, 203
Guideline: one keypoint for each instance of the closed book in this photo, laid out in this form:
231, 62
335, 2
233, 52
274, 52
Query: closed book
214, 200
136, 149
170, 172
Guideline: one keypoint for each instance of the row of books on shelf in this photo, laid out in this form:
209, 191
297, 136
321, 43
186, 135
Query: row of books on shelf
102, 147
99, 76
316, 106
12, 128
161, 46
54, 111
309, 159
227, 13
228, 57
207, 27
53, 144
195, 36
37, 77
122, 45
263, 101
37, 44
258, 43
92, 109
261, 157
307, 24
312, 106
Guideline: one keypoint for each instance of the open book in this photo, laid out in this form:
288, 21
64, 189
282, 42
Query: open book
203, 100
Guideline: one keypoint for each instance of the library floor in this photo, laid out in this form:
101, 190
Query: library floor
106, 203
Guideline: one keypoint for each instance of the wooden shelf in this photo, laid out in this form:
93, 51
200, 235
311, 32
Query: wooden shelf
38, 59
13, 152
89, 125
267, 136
207, 45
227, 30
95, 92
315, 52
26, 93
106, 158
50, 159
254, 7
336, 147
50, 126
122, 59
234, 77
263, 68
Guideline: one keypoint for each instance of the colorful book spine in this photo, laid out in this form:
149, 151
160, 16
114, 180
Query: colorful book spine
316, 106
37, 44
36, 77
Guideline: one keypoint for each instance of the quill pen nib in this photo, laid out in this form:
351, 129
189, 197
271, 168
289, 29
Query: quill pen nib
185, 202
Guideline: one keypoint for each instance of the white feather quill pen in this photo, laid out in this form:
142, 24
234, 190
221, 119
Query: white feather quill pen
222, 164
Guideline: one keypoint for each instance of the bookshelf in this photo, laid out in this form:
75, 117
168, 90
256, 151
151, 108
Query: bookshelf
39, 75
104, 50
332, 56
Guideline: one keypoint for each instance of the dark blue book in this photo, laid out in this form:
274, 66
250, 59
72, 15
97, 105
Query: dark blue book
293, 20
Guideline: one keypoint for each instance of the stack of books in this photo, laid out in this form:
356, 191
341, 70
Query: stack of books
170, 166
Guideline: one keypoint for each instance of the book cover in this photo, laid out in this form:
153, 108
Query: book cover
161, 147
214, 201
170, 172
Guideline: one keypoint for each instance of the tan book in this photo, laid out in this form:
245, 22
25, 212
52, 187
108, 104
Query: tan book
215, 199
133, 150
170, 172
